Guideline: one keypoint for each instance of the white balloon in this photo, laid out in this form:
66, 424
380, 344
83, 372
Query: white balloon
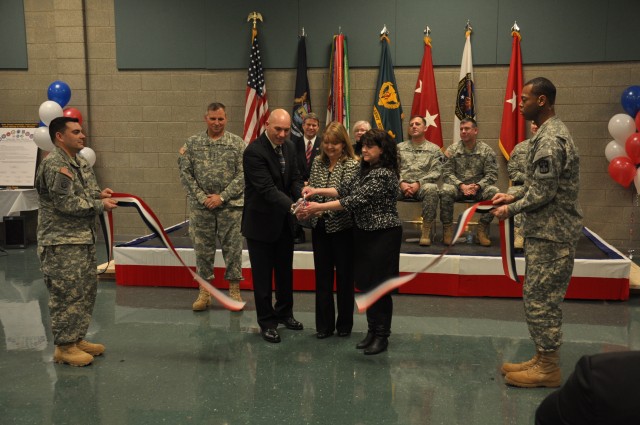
621, 126
88, 154
636, 181
49, 110
43, 140
614, 150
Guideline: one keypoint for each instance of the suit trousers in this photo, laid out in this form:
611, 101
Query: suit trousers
333, 257
272, 261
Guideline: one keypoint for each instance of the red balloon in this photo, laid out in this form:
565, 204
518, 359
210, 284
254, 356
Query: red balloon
632, 147
622, 170
72, 113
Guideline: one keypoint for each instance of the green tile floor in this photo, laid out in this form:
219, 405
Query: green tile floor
168, 365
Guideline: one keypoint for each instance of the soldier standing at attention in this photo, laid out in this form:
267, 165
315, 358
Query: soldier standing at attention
420, 169
70, 199
553, 219
210, 166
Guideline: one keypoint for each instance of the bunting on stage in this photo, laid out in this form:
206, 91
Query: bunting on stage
465, 98
367, 299
387, 109
256, 110
512, 130
302, 96
338, 101
425, 98
152, 222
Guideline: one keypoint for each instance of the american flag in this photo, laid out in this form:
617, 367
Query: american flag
256, 109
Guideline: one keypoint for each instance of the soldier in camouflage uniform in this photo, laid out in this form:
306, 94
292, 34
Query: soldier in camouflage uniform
70, 200
553, 220
469, 174
516, 167
420, 169
211, 172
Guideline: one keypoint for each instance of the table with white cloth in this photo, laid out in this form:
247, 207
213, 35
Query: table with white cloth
12, 201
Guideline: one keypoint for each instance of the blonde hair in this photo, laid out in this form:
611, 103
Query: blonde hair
335, 131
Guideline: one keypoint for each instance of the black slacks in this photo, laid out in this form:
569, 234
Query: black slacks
333, 252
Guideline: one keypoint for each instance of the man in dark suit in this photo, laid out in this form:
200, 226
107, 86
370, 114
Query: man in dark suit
272, 182
307, 147
601, 390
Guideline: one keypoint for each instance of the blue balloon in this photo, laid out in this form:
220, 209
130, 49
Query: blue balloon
630, 100
41, 124
59, 92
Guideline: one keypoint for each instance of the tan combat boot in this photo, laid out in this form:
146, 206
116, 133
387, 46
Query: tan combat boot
90, 348
483, 234
72, 355
519, 367
234, 291
203, 301
425, 239
545, 373
447, 233
518, 240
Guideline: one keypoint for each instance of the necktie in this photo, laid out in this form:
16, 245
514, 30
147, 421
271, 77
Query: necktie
280, 158
309, 150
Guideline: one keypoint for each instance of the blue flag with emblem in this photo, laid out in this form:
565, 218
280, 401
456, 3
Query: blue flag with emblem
387, 109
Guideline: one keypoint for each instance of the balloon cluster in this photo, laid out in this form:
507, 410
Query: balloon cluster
623, 153
59, 94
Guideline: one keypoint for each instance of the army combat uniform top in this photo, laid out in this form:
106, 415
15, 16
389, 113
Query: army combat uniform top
422, 163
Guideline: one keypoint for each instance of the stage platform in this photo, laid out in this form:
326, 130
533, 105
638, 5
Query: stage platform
470, 270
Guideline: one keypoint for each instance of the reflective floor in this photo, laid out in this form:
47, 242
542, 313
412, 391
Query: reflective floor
167, 364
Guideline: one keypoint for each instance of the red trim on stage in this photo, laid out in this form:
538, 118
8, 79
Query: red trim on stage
426, 283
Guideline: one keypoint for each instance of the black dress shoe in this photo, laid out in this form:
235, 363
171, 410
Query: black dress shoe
291, 323
270, 335
344, 333
323, 335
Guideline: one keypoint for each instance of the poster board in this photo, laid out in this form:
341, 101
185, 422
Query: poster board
18, 154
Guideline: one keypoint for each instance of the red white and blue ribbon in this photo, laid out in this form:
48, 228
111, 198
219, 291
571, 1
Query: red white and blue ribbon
152, 222
367, 299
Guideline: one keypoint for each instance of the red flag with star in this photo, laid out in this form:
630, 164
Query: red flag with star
425, 98
512, 131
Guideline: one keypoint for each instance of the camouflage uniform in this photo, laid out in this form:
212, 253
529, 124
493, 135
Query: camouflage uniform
69, 203
553, 220
477, 166
208, 167
422, 163
516, 167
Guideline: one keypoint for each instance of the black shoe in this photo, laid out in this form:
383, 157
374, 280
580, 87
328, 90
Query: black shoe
378, 345
366, 341
291, 323
323, 335
344, 333
270, 335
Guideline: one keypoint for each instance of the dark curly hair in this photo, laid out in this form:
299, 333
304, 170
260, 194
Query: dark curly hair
388, 158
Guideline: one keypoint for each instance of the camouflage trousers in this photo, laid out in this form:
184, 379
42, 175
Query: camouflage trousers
450, 194
223, 224
548, 271
428, 194
70, 275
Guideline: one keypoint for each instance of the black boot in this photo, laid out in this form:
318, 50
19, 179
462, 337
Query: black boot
366, 341
378, 345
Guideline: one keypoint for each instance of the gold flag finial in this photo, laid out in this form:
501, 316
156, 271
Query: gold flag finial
254, 16
427, 35
468, 29
515, 27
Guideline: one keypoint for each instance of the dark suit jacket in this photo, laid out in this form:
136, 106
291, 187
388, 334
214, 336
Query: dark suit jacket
301, 150
268, 194
603, 389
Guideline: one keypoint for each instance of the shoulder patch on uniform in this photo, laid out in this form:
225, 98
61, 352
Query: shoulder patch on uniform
63, 182
543, 166
182, 150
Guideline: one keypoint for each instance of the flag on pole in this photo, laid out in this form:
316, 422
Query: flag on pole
465, 100
387, 109
425, 98
302, 96
256, 110
338, 101
512, 130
